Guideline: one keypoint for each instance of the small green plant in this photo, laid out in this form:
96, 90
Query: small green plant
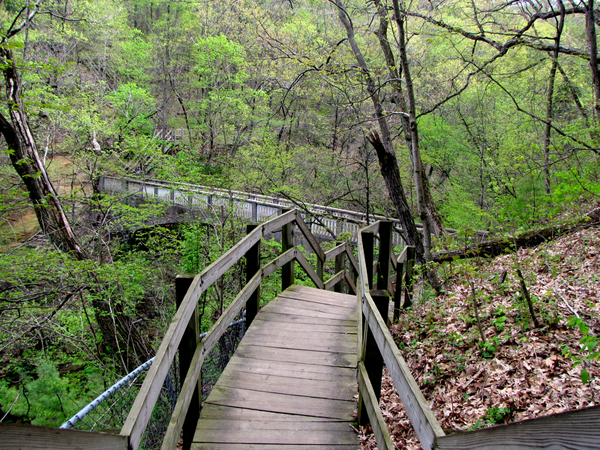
488, 349
496, 415
589, 343
499, 323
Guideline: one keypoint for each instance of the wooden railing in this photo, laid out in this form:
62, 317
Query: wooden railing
576, 429
182, 333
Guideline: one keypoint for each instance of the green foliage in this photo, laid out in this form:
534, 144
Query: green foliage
45, 398
590, 345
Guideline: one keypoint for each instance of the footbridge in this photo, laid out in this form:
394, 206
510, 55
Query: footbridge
305, 356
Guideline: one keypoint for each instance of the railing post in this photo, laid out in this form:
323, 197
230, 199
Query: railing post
371, 356
398, 291
367, 240
410, 262
385, 251
254, 212
187, 347
287, 242
252, 267
339, 266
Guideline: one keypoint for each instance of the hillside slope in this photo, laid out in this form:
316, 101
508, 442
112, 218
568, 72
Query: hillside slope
522, 372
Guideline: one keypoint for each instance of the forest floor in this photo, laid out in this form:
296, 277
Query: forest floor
522, 372
22, 223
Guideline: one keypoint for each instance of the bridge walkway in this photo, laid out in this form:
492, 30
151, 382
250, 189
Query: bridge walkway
292, 381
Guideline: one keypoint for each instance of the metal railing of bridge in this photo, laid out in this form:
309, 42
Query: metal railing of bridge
323, 221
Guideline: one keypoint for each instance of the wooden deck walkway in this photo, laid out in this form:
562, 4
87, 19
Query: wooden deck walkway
292, 381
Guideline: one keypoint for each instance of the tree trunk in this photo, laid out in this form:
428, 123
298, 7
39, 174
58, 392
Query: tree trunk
549, 101
590, 27
387, 159
414, 137
28, 165
437, 226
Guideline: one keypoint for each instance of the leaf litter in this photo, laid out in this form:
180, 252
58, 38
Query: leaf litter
522, 372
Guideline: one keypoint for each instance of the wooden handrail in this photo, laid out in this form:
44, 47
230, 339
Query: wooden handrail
141, 410
417, 409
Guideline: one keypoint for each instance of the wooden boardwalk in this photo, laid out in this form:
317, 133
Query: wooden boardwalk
292, 381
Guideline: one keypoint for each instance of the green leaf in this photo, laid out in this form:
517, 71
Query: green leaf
585, 376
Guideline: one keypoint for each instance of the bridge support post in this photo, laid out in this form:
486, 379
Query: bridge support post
367, 240
254, 211
385, 253
252, 267
339, 266
187, 347
287, 242
398, 291
410, 262
372, 357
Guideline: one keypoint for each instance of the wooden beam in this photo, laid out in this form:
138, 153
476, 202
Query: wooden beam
29, 437
351, 284
279, 221
287, 243
141, 411
371, 402
210, 340
423, 421
340, 265
312, 241
309, 270
569, 430
278, 262
334, 280
187, 347
341, 248
252, 267
385, 251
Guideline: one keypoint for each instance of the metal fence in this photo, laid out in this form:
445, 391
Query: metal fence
110, 409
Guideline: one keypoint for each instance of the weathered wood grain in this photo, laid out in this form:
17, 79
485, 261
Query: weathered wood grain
576, 430
293, 370
228, 446
422, 419
315, 278
371, 402
331, 254
281, 403
29, 437
329, 284
292, 380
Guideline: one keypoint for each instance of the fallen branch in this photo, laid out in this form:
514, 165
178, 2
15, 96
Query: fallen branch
497, 247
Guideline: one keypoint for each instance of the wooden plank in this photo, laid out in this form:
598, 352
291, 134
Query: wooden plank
292, 370
236, 415
322, 425
569, 430
309, 236
329, 255
371, 402
227, 446
278, 262
288, 331
309, 270
339, 311
341, 345
329, 284
284, 309
279, 221
292, 436
333, 389
191, 379
29, 437
351, 284
422, 419
278, 322
321, 296
304, 320
281, 403
297, 356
